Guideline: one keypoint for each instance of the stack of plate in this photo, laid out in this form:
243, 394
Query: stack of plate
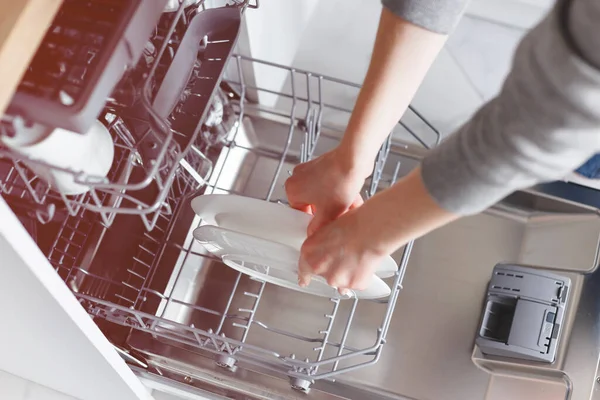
263, 240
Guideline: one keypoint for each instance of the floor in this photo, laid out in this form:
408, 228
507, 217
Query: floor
15, 388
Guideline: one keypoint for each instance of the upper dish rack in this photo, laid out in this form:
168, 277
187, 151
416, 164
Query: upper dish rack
155, 118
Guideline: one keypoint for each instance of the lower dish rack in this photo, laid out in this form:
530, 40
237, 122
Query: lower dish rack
151, 290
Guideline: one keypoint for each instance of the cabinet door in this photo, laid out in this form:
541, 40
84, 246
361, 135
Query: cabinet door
45, 335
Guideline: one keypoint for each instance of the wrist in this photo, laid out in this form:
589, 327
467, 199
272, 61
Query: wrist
400, 214
380, 233
356, 161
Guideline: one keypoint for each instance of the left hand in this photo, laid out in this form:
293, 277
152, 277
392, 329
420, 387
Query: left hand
348, 250
342, 252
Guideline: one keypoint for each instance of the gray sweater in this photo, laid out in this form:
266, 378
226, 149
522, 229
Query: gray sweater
544, 123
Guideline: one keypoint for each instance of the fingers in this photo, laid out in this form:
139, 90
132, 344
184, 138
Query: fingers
298, 199
346, 283
346, 280
357, 202
361, 279
340, 276
323, 216
305, 208
320, 219
337, 271
304, 273
294, 200
312, 260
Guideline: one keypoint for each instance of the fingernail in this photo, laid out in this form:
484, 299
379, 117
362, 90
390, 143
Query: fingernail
303, 282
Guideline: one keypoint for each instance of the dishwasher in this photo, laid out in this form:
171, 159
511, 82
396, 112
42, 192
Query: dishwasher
191, 118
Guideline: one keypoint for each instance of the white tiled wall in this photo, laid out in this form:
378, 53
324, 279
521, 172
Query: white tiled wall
15, 388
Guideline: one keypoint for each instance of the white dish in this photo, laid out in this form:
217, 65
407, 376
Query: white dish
273, 262
274, 222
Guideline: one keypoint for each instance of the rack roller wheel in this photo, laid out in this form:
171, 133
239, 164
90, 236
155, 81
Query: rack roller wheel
302, 385
226, 362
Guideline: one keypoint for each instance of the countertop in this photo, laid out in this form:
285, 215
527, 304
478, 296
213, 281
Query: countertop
23, 24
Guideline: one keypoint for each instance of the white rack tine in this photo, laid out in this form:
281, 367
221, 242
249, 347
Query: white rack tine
124, 298
147, 235
396, 171
146, 250
142, 262
130, 286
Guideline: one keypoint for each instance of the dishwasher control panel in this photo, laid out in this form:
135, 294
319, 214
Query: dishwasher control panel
523, 314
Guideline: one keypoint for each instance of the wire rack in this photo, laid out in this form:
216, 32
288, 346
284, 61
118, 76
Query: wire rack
308, 118
311, 109
148, 159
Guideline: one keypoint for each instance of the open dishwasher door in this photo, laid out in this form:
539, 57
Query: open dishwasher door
46, 337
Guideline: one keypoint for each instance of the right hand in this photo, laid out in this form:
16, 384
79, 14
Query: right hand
327, 187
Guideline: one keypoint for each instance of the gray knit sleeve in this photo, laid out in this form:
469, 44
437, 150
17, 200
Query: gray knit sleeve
544, 123
439, 16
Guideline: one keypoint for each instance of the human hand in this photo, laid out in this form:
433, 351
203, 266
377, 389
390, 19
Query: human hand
326, 187
348, 250
345, 252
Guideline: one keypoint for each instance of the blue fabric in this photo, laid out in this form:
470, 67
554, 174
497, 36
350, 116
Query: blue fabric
591, 168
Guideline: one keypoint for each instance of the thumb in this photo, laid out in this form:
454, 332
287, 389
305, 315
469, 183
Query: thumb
357, 202
320, 219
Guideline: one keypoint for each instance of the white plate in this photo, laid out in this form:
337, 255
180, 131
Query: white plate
274, 222
273, 262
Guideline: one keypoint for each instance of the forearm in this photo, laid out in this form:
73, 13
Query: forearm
401, 213
543, 124
402, 54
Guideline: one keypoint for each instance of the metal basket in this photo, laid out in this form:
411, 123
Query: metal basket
309, 116
123, 302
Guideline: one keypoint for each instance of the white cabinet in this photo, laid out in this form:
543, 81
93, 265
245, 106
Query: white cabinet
45, 335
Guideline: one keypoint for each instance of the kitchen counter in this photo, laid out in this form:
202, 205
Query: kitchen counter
23, 24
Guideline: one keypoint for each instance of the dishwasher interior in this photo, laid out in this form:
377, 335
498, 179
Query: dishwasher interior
174, 311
